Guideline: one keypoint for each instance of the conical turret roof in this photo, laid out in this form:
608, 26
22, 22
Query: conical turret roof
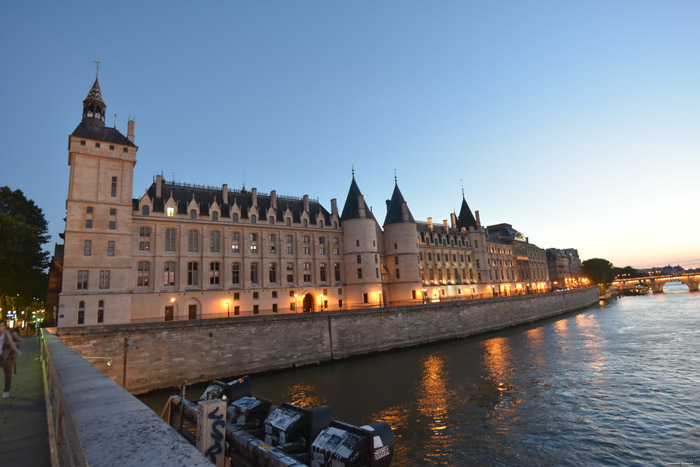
95, 94
394, 213
351, 209
466, 218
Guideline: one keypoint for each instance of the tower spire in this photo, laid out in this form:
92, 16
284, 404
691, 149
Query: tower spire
93, 106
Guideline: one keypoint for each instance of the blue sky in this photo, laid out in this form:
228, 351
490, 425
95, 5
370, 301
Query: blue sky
576, 122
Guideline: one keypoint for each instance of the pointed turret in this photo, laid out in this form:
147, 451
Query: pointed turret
466, 218
93, 105
355, 207
398, 211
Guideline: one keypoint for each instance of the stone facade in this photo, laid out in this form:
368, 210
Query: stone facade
149, 356
564, 267
184, 251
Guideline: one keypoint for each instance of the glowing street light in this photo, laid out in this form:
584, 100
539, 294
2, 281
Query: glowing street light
228, 307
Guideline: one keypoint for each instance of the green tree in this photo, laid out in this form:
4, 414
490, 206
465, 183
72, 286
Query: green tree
598, 271
23, 231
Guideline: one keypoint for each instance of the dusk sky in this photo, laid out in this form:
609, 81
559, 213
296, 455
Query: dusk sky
578, 122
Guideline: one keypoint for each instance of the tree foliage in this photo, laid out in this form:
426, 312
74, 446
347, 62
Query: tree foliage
627, 271
597, 270
23, 231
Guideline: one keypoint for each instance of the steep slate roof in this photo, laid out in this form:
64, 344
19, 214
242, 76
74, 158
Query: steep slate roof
96, 129
394, 213
466, 218
351, 209
95, 94
205, 197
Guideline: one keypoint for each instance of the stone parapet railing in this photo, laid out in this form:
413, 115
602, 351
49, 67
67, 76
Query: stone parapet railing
94, 421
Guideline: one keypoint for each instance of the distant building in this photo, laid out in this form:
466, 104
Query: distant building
185, 251
564, 267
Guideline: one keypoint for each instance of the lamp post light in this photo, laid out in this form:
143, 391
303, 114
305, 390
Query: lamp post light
228, 307
380, 298
424, 295
321, 297
296, 303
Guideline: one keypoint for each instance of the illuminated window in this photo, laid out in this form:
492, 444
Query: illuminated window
171, 212
101, 311
144, 274
81, 312
214, 273
169, 273
144, 238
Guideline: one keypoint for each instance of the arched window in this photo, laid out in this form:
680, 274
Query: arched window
145, 210
101, 311
81, 312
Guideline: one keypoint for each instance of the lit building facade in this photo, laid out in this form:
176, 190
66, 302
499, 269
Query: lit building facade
564, 267
184, 251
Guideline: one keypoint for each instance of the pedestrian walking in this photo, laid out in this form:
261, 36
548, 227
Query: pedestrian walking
9, 351
18, 342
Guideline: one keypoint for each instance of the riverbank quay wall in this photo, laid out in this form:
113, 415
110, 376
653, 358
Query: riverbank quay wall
148, 356
94, 421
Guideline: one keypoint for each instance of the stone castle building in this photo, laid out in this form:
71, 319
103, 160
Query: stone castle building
184, 251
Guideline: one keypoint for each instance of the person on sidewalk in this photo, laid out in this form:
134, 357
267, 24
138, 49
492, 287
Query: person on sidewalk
9, 352
18, 342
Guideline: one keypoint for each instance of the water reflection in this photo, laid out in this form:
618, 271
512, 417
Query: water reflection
304, 395
433, 400
590, 333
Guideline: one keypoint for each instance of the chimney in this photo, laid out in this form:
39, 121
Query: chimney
306, 203
273, 199
224, 193
130, 130
445, 224
453, 217
404, 211
388, 202
159, 186
361, 206
254, 194
478, 221
334, 206
430, 223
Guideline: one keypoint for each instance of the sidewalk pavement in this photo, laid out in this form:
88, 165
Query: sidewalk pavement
23, 428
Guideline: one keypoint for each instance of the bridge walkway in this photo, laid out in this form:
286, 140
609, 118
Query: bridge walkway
24, 436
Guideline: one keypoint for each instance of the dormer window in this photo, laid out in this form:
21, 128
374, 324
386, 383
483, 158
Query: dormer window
193, 214
170, 212
253, 219
215, 216
235, 217
145, 210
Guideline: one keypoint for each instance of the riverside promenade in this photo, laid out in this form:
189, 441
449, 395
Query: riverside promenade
23, 428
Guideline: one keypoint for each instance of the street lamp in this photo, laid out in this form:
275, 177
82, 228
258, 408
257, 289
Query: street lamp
228, 307
296, 302
380, 298
424, 293
321, 297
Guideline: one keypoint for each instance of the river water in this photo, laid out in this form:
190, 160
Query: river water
617, 384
